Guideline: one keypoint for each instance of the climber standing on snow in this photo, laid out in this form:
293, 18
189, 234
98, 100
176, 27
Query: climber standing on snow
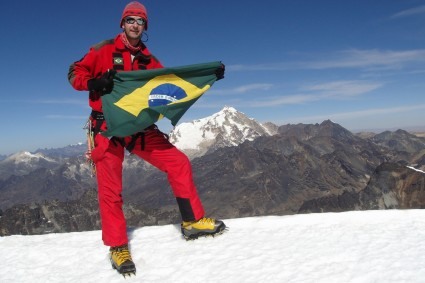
95, 73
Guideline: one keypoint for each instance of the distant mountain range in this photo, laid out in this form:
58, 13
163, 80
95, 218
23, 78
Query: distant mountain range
241, 168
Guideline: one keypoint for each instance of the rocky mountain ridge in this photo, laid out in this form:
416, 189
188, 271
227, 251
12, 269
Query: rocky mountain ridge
302, 168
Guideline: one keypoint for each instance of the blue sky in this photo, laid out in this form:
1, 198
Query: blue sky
359, 63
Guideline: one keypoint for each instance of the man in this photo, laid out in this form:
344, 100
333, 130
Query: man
95, 72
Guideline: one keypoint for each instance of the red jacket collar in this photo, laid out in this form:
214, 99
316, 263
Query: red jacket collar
120, 45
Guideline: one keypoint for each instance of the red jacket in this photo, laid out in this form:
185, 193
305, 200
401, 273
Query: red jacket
108, 54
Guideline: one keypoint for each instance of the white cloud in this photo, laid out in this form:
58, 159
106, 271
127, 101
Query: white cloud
409, 12
242, 89
251, 87
361, 113
282, 100
352, 58
355, 58
344, 88
63, 101
324, 91
66, 117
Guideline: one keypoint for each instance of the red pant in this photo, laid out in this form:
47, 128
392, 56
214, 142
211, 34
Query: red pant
158, 151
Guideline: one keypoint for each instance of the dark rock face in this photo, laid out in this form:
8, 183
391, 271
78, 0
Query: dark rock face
72, 216
303, 169
52, 216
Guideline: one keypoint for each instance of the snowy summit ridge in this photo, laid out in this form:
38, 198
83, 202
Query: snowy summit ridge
227, 127
25, 157
355, 246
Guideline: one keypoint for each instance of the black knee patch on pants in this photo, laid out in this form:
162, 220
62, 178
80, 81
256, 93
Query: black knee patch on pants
185, 209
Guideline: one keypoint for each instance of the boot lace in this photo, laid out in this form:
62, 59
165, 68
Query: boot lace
206, 220
121, 254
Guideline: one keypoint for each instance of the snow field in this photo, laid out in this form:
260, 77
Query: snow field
358, 246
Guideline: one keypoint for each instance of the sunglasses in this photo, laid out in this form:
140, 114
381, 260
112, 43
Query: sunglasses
131, 21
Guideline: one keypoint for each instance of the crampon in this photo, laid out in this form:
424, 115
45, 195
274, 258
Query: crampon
125, 271
204, 235
205, 227
121, 261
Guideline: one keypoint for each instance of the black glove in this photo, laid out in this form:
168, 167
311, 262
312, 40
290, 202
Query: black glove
220, 72
104, 84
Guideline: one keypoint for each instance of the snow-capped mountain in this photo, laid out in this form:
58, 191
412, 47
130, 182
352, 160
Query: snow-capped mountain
228, 127
27, 157
64, 152
23, 162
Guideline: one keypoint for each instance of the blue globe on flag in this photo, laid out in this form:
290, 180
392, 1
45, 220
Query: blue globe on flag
165, 94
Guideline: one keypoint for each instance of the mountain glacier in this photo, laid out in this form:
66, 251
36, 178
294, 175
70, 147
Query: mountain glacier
225, 128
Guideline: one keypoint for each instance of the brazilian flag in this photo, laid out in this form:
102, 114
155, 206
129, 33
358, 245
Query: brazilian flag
141, 98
